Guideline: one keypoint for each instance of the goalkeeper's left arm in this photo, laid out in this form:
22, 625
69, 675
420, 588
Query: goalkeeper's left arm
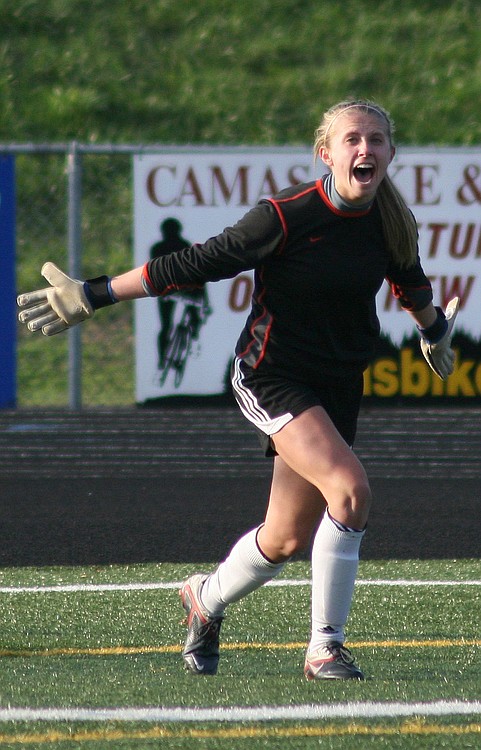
436, 337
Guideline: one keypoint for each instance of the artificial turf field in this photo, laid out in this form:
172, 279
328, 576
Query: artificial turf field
103, 515
77, 641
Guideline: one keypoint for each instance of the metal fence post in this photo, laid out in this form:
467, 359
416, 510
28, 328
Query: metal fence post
74, 172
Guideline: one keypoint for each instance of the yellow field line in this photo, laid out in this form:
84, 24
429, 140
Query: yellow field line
417, 727
236, 646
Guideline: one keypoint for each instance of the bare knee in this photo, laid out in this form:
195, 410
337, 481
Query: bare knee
352, 506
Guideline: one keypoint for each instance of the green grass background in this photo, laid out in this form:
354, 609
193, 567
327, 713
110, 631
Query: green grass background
258, 73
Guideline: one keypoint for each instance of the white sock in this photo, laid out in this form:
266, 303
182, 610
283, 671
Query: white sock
335, 559
243, 571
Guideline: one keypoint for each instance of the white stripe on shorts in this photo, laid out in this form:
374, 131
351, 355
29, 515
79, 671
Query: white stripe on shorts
251, 408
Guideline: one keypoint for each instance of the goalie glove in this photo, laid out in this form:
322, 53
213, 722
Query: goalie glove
437, 351
65, 303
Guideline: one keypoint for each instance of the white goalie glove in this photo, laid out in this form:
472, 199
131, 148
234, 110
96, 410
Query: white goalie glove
438, 354
60, 306
65, 303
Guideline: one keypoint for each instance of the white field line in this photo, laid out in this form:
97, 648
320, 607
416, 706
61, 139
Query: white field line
355, 710
160, 585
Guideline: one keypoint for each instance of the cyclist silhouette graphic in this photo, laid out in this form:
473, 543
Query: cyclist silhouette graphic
175, 339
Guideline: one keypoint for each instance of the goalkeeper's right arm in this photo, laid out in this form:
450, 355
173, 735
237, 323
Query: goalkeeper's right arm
65, 303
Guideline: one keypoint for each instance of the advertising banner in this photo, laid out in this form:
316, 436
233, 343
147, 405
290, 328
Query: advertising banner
185, 342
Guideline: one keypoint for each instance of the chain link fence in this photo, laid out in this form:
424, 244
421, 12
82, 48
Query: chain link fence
74, 206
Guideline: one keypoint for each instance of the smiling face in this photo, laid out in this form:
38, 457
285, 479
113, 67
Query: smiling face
358, 152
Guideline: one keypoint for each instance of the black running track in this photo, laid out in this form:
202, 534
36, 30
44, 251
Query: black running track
181, 482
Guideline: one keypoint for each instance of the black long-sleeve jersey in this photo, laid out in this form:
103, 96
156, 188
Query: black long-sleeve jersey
317, 272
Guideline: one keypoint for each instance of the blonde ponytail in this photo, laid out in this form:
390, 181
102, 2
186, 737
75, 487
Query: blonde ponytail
398, 223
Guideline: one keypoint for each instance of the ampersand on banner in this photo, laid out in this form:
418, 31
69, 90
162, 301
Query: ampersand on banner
469, 192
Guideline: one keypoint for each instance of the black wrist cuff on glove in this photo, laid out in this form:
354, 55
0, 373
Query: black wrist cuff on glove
436, 331
99, 292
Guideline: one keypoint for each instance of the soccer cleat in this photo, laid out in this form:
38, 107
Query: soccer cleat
332, 662
201, 650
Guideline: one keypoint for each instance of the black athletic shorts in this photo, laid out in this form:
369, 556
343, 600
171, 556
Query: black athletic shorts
269, 402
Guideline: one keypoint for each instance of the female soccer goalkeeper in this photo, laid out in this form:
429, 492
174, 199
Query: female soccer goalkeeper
320, 251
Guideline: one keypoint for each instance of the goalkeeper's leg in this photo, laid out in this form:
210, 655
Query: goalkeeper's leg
205, 598
294, 511
316, 453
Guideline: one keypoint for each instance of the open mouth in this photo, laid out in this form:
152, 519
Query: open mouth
364, 172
